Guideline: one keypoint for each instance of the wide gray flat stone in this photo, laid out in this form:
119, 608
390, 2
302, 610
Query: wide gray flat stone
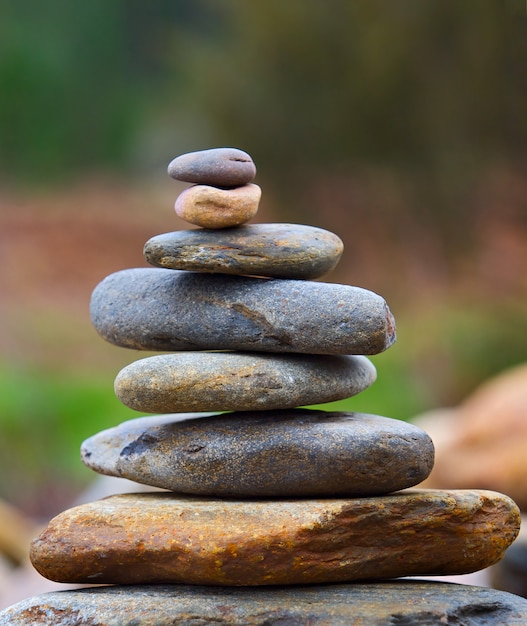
170, 538
235, 381
274, 250
159, 309
397, 603
272, 453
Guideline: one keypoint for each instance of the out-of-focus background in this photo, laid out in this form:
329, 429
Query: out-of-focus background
401, 126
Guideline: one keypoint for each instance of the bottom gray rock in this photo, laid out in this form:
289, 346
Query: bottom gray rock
397, 603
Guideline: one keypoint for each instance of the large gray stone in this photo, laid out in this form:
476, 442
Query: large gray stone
274, 250
169, 538
236, 381
159, 309
272, 453
397, 603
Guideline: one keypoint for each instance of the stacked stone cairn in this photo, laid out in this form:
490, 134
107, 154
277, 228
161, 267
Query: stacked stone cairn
267, 503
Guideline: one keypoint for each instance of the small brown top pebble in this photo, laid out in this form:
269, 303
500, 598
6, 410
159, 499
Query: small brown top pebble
220, 167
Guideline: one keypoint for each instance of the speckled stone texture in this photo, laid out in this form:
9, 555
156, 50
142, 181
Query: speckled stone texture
223, 167
273, 250
230, 381
166, 538
397, 603
272, 453
159, 309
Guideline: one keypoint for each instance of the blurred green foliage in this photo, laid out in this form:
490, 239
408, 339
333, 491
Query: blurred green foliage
43, 420
436, 85
66, 102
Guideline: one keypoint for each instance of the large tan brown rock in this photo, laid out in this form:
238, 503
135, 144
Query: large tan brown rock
165, 538
482, 444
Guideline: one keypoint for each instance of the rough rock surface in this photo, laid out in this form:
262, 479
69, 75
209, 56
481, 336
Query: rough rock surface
230, 381
158, 309
166, 538
398, 603
273, 250
211, 207
224, 167
274, 453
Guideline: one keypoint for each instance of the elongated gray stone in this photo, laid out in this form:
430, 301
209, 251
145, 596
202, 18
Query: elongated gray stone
223, 167
274, 250
398, 603
158, 309
301, 452
168, 538
235, 381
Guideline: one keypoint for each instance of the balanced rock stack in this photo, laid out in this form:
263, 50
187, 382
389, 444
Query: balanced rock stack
266, 499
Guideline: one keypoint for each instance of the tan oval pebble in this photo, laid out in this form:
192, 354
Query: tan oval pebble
211, 207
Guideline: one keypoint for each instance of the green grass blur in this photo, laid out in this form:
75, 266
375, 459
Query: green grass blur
43, 420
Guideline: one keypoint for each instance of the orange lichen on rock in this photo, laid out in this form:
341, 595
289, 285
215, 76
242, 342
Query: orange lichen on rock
166, 538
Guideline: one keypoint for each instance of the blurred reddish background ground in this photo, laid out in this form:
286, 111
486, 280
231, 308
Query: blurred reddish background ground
56, 247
